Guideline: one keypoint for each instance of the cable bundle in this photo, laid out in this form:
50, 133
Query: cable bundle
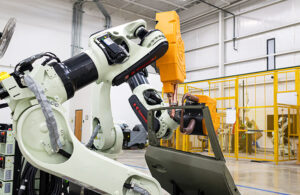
28, 182
56, 186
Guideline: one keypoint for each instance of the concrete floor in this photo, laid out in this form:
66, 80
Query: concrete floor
250, 177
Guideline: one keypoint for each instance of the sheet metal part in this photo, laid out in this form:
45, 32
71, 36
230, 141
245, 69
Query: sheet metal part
197, 174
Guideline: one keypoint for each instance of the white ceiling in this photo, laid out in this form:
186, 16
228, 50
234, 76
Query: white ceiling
148, 8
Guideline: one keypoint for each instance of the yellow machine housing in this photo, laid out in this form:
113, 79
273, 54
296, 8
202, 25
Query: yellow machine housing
4, 75
211, 103
172, 64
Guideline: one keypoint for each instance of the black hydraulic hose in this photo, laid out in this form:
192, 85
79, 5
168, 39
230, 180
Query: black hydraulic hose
24, 181
3, 105
20, 172
31, 180
191, 98
52, 185
28, 180
57, 186
93, 136
22, 188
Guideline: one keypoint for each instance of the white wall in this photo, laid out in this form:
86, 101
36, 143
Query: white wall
41, 26
257, 21
121, 109
46, 26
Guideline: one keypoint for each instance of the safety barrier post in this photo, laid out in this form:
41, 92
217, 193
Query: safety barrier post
177, 135
236, 132
162, 96
297, 87
185, 137
275, 117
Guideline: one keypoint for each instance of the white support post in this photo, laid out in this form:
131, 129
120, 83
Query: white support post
221, 44
221, 51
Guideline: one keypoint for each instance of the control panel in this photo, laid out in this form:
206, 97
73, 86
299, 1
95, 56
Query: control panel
6, 168
6, 187
7, 142
7, 158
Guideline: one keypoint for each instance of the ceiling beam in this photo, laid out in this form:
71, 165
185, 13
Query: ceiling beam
225, 1
129, 12
143, 6
208, 13
174, 4
189, 2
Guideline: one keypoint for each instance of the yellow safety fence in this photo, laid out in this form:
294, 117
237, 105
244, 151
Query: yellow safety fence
259, 116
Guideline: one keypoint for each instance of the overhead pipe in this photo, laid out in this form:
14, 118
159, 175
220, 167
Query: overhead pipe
105, 13
77, 23
233, 17
76, 27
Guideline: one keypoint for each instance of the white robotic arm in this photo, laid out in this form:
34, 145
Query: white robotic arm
35, 94
145, 98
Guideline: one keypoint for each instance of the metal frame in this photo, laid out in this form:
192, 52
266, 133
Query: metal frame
284, 80
153, 141
173, 4
17, 169
178, 177
274, 54
143, 6
233, 21
128, 12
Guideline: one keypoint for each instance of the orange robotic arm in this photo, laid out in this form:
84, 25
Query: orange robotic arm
172, 65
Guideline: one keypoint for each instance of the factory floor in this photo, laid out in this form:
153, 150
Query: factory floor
250, 177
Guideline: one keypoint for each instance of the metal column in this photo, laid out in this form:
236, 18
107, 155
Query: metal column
221, 44
297, 87
275, 117
237, 125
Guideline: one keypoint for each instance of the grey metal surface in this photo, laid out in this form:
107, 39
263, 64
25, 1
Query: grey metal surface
138, 137
183, 173
212, 135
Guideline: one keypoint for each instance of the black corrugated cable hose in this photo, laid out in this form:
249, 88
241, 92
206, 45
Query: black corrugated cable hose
27, 180
3, 105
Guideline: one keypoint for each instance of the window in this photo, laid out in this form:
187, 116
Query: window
271, 62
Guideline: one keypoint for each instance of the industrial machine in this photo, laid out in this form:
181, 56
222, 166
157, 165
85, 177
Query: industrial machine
6, 187
135, 138
285, 146
35, 93
7, 140
178, 172
126, 134
139, 137
7, 147
6, 168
